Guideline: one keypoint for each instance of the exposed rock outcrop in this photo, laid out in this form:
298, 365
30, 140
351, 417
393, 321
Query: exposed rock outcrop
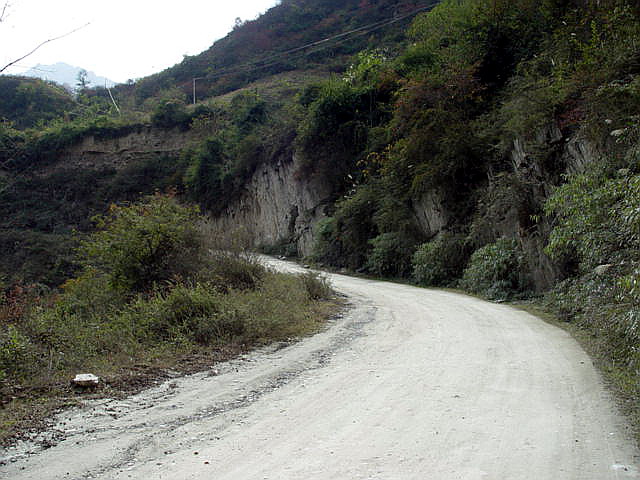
541, 173
278, 206
430, 213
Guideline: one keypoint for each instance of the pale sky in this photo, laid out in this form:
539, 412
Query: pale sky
125, 38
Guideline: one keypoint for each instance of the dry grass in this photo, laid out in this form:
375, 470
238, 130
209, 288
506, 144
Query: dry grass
278, 87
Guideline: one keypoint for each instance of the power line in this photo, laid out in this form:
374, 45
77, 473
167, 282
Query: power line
364, 30
322, 44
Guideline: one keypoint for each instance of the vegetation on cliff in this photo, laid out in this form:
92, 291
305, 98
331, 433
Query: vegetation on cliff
478, 111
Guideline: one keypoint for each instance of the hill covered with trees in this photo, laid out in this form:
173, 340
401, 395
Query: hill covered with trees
293, 35
28, 102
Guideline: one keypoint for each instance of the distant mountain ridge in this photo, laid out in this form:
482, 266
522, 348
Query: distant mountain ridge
66, 75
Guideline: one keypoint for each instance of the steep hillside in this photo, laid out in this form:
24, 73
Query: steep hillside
497, 153
272, 44
26, 102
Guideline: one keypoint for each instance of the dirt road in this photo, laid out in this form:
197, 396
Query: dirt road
409, 384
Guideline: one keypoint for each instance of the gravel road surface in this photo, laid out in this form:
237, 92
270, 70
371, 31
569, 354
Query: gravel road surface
408, 384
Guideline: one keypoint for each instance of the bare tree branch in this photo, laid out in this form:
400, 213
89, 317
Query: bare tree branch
3, 14
39, 46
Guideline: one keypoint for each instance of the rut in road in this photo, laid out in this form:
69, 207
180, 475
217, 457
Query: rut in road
408, 384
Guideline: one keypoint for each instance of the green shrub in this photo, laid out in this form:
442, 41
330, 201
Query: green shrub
327, 247
334, 132
440, 262
89, 295
171, 114
147, 243
16, 352
391, 255
203, 179
248, 110
343, 240
597, 219
496, 270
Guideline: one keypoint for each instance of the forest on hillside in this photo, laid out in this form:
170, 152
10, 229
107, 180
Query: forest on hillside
294, 35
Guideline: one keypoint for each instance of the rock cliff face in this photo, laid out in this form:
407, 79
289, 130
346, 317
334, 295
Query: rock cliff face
277, 206
431, 213
536, 167
566, 155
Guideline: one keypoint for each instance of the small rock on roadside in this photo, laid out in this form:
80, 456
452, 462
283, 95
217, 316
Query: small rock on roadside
602, 269
86, 380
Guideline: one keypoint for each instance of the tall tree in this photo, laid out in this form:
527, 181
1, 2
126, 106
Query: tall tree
82, 80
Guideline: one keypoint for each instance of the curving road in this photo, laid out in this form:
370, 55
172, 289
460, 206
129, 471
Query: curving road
409, 384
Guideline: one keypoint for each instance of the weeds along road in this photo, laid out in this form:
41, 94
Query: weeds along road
409, 384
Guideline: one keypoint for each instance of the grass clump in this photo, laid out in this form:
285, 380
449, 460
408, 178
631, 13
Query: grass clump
316, 285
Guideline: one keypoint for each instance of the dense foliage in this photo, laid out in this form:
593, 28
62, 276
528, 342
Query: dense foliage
28, 102
239, 136
441, 261
481, 112
441, 119
149, 243
496, 271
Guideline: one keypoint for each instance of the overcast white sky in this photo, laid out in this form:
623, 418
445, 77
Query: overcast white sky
125, 38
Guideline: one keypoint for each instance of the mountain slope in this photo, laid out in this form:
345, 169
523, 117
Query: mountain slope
27, 101
237, 59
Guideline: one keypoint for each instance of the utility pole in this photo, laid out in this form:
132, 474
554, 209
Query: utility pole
112, 99
194, 88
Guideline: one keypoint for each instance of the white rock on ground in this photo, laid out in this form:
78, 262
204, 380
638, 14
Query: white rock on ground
86, 380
